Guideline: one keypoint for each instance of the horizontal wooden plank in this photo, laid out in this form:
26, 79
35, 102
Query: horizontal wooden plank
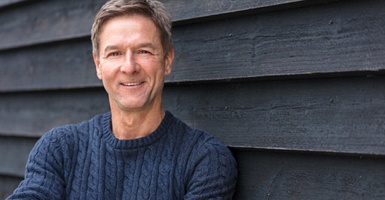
55, 66
274, 175
335, 39
48, 21
4, 3
323, 115
7, 185
14, 154
219, 9
36, 113
336, 115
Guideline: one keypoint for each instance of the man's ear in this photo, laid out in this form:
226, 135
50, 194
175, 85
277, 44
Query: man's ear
168, 62
97, 65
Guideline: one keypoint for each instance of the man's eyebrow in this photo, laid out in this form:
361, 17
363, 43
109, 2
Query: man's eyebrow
141, 45
147, 45
110, 47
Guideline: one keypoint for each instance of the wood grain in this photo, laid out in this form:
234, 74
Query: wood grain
279, 175
4, 3
7, 185
343, 115
38, 112
14, 154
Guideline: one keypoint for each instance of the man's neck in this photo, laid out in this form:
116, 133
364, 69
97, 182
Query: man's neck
133, 125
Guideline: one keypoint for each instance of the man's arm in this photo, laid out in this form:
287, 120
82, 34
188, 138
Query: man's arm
215, 174
43, 177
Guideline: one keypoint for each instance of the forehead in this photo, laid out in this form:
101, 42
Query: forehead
129, 26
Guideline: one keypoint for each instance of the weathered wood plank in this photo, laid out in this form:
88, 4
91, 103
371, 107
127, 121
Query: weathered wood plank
343, 115
218, 9
14, 154
340, 38
333, 40
36, 113
4, 3
46, 21
7, 185
62, 20
53, 66
328, 115
278, 175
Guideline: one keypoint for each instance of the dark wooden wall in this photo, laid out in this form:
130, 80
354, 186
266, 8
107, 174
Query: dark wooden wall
296, 88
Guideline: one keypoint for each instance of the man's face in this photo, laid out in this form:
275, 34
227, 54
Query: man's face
131, 63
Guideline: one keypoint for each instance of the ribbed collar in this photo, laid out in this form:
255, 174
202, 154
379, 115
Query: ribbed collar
135, 143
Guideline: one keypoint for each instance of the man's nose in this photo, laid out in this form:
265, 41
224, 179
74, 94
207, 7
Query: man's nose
130, 64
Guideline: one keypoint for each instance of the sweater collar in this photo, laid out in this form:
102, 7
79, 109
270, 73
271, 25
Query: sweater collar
134, 143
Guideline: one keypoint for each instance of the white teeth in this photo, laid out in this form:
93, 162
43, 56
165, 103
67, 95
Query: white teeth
131, 84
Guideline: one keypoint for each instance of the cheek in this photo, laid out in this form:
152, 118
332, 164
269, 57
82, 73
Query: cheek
107, 69
106, 74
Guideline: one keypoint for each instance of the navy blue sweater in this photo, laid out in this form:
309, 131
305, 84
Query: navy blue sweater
86, 161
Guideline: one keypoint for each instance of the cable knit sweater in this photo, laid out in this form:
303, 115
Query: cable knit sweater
86, 161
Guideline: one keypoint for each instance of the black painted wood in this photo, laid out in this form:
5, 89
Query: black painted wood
321, 115
202, 10
331, 39
7, 185
4, 3
280, 176
336, 39
38, 112
55, 66
46, 21
14, 154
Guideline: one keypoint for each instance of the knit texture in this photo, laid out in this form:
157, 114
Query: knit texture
86, 161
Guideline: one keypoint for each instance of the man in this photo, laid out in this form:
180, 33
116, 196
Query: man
136, 151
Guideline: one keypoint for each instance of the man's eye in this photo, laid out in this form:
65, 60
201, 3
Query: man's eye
115, 54
143, 52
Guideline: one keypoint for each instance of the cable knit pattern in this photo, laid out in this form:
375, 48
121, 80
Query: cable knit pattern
86, 161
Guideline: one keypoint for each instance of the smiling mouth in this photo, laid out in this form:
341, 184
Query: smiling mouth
131, 84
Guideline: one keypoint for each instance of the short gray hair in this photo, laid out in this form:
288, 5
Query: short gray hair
148, 8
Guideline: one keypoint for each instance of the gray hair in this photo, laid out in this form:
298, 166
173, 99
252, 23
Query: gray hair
148, 8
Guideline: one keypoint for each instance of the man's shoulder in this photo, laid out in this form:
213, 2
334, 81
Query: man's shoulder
208, 158
71, 130
198, 138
